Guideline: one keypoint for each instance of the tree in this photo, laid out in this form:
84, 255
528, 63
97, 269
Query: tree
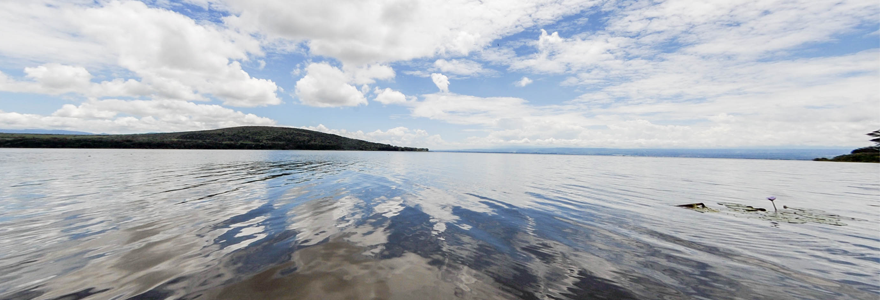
876, 137
871, 149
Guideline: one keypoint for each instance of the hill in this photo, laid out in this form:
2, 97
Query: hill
864, 154
247, 137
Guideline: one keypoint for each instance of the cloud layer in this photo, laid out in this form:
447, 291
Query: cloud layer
669, 73
363, 32
121, 116
166, 54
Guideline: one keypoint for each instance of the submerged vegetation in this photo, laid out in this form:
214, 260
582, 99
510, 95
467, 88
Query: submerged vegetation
247, 137
864, 154
786, 215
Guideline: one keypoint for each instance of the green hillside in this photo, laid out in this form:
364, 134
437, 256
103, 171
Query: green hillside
248, 137
864, 154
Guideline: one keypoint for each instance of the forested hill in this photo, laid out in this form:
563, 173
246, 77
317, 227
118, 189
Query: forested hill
248, 137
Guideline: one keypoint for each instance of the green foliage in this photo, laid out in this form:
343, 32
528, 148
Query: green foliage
857, 157
248, 137
864, 154
876, 137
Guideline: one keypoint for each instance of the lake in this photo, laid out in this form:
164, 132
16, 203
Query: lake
196, 224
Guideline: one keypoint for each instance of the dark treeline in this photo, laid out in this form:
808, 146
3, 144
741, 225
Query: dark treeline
864, 154
249, 137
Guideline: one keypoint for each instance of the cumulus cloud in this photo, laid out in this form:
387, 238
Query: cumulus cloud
35, 31
56, 79
389, 96
121, 116
327, 86
383, 31
169, 52
174, 53
441, 81
807, 102
660, 74
557, 55
708, 75
368, 74
523, 82
60, 77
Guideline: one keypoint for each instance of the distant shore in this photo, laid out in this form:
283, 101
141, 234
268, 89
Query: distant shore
248, 137
733, 153
855, 156
865, 154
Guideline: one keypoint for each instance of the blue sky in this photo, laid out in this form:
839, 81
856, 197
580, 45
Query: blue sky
452, 74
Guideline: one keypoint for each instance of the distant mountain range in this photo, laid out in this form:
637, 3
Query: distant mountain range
248, 137
768, 153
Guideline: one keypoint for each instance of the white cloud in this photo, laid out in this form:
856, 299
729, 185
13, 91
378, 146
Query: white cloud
34, 31
565, 55
368, 74
459, 66
523, 82
172, 54
172, 51
120, 116
56, 79
327, 86
297, 70
441, 81
60, 77
742, 27
389, 96
363, 32
398, 136
663, 74
736, 31
804, 102
686, 78
677, 74
464, 109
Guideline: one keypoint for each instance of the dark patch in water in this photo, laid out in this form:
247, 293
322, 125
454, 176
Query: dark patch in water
541, 251
28, 294
410, 231
592, 287
82, 294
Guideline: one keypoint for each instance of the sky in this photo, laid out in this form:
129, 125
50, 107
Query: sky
455, 74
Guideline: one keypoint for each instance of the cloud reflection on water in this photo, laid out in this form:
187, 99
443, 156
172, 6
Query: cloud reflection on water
336, 225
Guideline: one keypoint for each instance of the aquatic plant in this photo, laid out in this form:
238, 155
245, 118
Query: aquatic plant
700, 207
788, 215
772, 200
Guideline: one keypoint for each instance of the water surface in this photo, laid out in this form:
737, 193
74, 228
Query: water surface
193, 224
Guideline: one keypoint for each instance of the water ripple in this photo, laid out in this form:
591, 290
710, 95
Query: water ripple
167, 224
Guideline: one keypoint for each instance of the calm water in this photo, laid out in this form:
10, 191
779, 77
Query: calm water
144, 224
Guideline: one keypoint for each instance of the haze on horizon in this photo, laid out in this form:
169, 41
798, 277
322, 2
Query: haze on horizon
452, 74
